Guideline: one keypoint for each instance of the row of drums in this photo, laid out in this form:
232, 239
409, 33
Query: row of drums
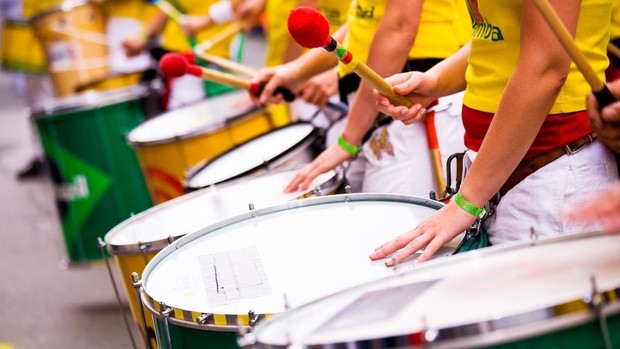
226, 260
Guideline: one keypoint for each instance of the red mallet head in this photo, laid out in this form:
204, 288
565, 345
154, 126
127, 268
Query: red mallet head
309, 27
175, 65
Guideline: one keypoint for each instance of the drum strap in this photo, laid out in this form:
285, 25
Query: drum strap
529, 166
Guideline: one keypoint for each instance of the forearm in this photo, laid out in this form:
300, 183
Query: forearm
388, 54
515, 125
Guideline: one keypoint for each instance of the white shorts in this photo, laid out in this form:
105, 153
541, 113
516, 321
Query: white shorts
398, 158
538, 202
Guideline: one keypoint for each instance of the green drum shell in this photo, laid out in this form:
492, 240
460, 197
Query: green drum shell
98, 181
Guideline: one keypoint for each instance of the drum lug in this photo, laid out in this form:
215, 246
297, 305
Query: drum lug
202, 319
253, 318
165, 310
170, 239
101, 243
251, 206
348, 189
143, 246
135, 280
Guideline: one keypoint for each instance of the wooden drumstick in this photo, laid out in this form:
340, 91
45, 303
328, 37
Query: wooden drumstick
175, 64
228, 64
311, 29
599, 89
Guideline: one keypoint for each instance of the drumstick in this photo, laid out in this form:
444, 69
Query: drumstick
613, 49
170, 10
175, 64
232, 29
311, 29
228, 64
599, 89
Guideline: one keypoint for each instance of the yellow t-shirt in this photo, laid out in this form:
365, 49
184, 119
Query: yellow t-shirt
175, 39
462, 24
436, 37
34, 7
615, 20
136, 9
495, 51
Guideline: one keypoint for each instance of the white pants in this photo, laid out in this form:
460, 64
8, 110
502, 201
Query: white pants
539, 201
397, 155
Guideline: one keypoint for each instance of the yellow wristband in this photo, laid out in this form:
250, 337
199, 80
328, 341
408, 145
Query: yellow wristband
348, 147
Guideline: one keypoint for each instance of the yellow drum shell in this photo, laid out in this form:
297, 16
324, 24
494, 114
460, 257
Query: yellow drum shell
75, 45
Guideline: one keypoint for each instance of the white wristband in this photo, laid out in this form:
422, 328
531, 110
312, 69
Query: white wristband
221, 12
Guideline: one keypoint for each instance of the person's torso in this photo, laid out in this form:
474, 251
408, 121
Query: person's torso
496, 47
436, 37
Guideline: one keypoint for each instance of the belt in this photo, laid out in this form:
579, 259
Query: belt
529, 166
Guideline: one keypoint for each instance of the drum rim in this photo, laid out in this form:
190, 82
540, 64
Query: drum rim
476, 334
246, 114
265, 165
140, 247
229, 322
88, 100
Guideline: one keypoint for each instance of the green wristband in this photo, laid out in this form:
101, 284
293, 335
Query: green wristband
348, 147
468, 206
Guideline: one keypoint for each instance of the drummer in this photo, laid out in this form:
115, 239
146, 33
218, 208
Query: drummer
511, 115
179, 37
425, 37
606, 122
38, 86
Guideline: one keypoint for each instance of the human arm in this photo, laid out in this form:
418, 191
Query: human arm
388, 53
136, 43
294, 74
540, 72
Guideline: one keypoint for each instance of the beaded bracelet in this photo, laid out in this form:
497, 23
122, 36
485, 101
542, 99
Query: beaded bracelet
348, 147
468, 206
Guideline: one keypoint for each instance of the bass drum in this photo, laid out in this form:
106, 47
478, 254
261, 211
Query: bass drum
97, 175
212, 283
170, 144
558, 293
135, 241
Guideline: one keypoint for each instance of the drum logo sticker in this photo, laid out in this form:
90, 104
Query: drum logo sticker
77, 189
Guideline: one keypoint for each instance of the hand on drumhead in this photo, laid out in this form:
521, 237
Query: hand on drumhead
320, 88
605, 209
329, 159
431, 234
417, 87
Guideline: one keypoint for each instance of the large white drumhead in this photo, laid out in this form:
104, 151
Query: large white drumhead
300, 251
205, 116
196, 210
251, 154
493, 289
